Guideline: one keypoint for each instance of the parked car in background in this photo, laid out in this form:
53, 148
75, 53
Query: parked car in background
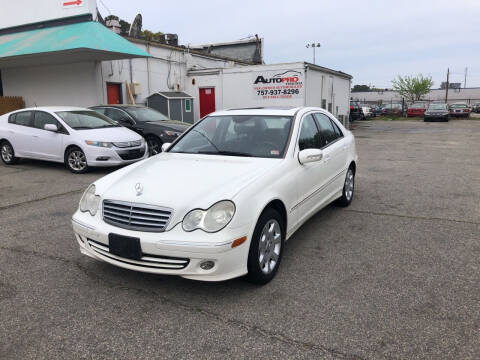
393, 109
78, 137
356, 112
459, 110
377, 110
436, 112
259, 174
367, 110
476, 107
155, 127
416, 109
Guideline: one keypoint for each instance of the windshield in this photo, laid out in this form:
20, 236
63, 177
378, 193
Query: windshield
237, 135
458, 106
143, 114
84, 120
417, 106
437, 107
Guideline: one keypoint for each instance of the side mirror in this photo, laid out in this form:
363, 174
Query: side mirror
310, 155
165, 146
50, 127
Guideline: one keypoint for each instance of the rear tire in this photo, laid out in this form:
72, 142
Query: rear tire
348, 189
7, 153
266, 247
76, 161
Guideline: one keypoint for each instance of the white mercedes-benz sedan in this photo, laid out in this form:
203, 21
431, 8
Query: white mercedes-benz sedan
78, 137
221, 200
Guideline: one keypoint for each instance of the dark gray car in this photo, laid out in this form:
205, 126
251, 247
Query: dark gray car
155, 127
436, 112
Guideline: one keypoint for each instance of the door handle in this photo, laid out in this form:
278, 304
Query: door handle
35, 136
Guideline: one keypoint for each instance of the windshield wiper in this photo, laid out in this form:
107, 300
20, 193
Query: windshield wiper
227, 153
206, 137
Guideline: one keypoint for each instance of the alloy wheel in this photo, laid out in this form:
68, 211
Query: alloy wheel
153, 147
7, 153
349, 184
77, 160
269, 246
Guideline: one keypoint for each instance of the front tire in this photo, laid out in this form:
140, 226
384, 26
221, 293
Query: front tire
154, 145
348, 189
7, 153
76, 161
266, 247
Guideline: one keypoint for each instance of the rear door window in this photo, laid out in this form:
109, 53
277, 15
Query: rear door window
327, 130
24, 118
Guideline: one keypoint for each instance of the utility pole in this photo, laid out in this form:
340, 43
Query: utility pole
448, 85
465, 83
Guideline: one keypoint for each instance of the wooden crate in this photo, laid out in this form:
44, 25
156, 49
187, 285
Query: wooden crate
10, 103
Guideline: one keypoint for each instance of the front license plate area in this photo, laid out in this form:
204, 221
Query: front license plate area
125, 246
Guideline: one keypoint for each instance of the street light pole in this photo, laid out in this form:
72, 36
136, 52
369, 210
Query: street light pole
313, 46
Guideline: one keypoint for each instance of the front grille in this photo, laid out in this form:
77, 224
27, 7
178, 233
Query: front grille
132, 154
146, 261
135, 216
127, 144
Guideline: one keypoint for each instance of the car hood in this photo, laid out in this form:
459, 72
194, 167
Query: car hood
436, 111
112, 134
170, 125
184, 182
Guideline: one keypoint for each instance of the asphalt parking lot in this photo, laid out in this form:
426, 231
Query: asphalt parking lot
394, 276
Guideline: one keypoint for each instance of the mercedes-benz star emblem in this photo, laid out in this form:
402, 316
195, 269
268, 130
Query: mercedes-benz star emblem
139, 189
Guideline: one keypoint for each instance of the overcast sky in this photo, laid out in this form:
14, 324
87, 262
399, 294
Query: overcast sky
373, 40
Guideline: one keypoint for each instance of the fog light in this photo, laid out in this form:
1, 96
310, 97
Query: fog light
207, 265
103, 158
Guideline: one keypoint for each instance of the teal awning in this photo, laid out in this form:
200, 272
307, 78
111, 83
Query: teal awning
86, 41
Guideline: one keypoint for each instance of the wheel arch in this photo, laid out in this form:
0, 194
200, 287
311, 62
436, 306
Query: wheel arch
279, 206
353, 166
70, 146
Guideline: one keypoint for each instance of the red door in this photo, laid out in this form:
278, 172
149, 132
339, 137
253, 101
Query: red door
113, 93
207, 101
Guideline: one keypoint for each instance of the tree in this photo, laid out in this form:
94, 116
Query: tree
412, 88
358, 88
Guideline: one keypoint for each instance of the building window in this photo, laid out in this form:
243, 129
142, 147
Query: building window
188, 105
330, 107
324, 104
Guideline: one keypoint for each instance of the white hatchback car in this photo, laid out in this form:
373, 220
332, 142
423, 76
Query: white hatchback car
78, 137
220, 201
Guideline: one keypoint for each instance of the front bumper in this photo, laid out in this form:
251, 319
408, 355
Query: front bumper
185, 250
99, 156
436, 117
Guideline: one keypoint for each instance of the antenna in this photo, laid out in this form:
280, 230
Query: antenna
136, 27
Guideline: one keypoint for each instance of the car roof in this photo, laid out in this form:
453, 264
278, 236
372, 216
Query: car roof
119, 105
54, 108
279, 111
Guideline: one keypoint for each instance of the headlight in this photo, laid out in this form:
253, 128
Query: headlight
211, 220
99, 143
171, 133
89, 201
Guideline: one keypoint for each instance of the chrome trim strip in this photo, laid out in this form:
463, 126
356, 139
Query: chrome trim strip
315, 192
82, 224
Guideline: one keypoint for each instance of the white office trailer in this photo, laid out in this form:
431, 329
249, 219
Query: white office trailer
57, 53
288, 84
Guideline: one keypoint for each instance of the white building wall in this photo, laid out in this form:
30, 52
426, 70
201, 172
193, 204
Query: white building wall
67, 84
165, 71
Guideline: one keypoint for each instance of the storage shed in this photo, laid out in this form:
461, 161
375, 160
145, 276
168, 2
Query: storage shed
176, 105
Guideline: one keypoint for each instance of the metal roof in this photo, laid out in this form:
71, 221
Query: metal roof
67, 43
173, 95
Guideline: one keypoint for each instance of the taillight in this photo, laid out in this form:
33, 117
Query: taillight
351, 107
466, 110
